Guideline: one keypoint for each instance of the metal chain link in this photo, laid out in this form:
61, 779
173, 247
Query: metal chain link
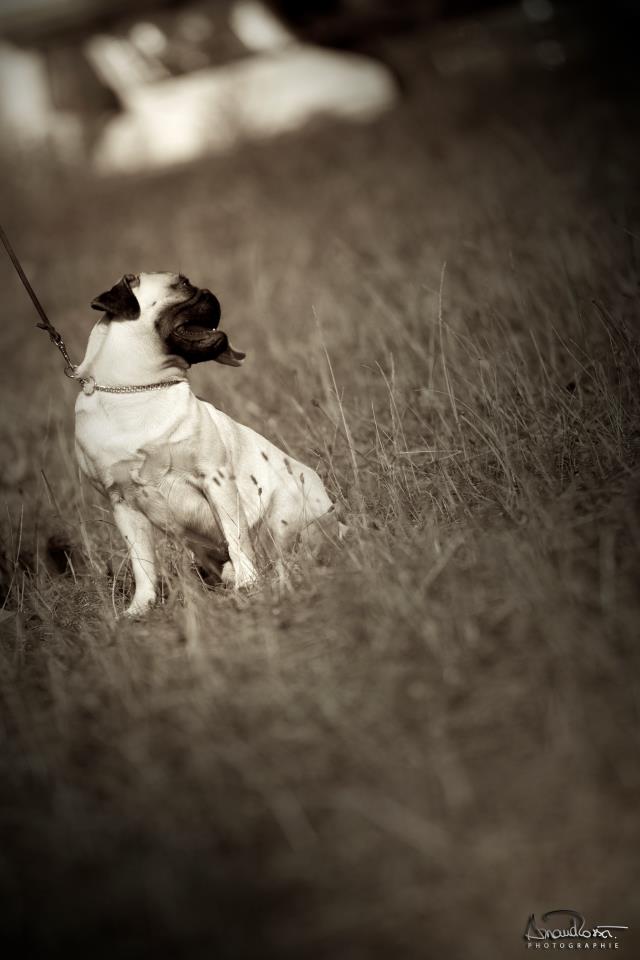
89, 386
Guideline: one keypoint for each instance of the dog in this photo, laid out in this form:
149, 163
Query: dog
173, 463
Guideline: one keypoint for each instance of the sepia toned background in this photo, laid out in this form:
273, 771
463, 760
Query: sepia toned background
421, 220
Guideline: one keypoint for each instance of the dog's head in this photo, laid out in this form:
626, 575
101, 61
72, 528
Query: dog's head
184, 317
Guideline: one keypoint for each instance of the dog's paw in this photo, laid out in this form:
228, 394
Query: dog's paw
245, 576
138, 609
246, 579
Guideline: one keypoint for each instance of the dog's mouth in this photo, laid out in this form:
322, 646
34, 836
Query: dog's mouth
190, 329
199, 314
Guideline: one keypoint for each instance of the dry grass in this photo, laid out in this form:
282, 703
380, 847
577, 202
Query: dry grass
407, 752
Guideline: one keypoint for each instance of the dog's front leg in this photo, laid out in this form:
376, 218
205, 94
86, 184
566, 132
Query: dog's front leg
224, 499
139, 536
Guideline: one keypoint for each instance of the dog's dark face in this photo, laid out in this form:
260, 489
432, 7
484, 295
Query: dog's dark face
185, 317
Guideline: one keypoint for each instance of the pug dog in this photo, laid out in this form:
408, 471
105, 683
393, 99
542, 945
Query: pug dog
172, 463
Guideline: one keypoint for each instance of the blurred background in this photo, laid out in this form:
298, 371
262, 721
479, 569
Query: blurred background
422, 222
97, 83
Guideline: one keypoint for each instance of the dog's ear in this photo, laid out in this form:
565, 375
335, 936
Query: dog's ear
119, 301
197, 345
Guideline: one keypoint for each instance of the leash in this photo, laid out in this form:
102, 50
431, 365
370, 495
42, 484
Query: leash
88, 384
45, 323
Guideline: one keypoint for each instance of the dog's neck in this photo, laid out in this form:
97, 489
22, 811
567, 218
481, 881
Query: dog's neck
125, 353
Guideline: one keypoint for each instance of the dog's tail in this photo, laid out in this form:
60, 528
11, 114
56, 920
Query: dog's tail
325, 532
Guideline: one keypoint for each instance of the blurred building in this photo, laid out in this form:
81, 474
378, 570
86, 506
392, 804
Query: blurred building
144, 84
131, 85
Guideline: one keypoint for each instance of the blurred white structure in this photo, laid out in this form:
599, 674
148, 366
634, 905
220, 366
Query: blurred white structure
257, 27
28, 119
25, 103
169, 120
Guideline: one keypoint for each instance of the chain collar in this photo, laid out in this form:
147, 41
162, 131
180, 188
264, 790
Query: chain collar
90, 386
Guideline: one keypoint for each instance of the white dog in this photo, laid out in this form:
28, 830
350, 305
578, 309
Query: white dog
170, 462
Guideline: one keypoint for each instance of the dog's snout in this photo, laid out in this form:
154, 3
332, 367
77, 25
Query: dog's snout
213, 304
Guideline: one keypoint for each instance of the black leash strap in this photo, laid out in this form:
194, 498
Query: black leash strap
45, 323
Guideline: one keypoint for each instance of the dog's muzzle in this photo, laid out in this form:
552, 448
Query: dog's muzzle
201, 312
190, 329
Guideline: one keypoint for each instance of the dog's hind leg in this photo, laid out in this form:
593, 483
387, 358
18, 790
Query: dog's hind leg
319, 537
224, 500
138, 533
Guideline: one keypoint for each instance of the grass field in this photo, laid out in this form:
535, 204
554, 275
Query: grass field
408, 751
